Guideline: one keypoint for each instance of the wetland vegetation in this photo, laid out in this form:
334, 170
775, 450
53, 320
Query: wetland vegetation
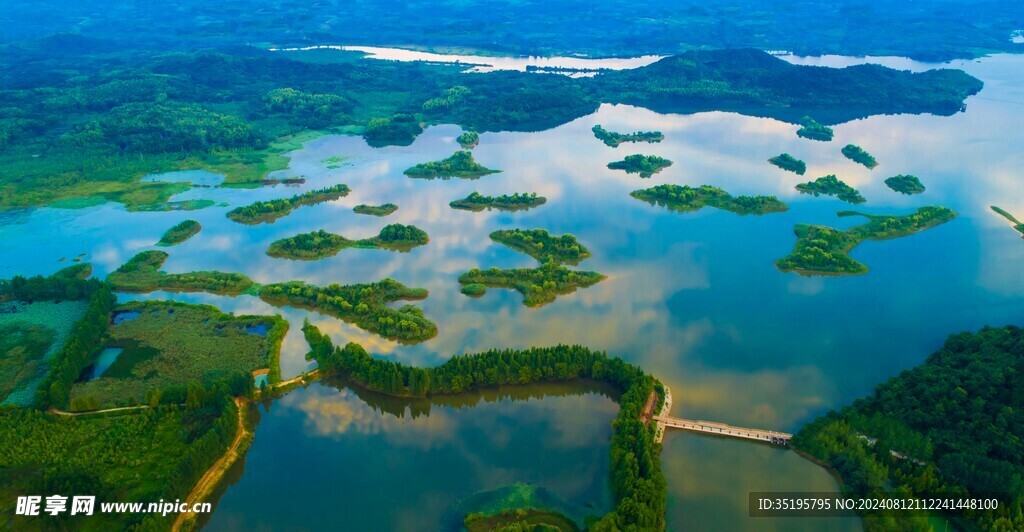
180, 233
541, 245
949, 426
460, 165
811, 129
516, 202
685, 198
830, 185
321, 244
365, 305
613, 139
821, 250
375, 210
788, 162
1010, 218
638, 484
645, 165
858, 155
539, 286
271, 211
905, 184
169, 346
142, 274
468, 139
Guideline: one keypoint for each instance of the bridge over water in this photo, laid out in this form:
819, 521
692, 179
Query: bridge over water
721, 429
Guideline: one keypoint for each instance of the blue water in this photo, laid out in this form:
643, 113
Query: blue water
258, 329
261, 379
692, 297
196, 177
122, 317
104, 360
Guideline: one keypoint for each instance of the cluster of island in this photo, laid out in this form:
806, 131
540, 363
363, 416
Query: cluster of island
321, 244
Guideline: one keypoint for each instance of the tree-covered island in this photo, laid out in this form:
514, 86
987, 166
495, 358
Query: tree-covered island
858, 155
539, 286
905, 184
952, 426
543, 246
460, 165
788, 162
831, 185
365, 305
821, 250
685, 198
1010, 218
180, 233
468, 139
375, 210
142, 274
811, 129
271, 211
613, 139
516, 202
321, 244
645, 165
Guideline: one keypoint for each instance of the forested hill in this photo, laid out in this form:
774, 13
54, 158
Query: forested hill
75, 111
930, 30
954, 423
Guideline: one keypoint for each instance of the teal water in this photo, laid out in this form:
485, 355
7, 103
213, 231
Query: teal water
103, 361
692, 297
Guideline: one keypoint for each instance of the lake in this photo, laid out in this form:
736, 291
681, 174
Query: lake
693, 298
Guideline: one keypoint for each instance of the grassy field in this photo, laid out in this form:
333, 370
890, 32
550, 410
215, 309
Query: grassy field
172, 344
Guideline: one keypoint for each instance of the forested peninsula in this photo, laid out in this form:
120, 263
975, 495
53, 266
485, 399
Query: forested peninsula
69, 132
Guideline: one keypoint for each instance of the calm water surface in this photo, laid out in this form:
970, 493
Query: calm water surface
693, 298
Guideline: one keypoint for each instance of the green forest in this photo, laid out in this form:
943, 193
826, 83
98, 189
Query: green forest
685, 198
613, 139
831, 185
645, 165
270, 211
518, 201
180, 233
468, 139
543, 246
821, 250
638, 484
953, 425
460, 164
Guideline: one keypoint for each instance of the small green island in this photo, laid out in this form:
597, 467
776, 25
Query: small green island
822, 250
613, 139
811, 129
375, 210
516, 202
271, 211
905, 184
468, 139
831, 185
142, 274
543, 246
788, 162
539, 286
321, 244
645, 165
686, 198
365, 305
858, 155
1010, 218
180, 233
520, 519
460, 165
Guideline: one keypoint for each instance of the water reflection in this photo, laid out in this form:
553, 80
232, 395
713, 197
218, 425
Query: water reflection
692, 297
